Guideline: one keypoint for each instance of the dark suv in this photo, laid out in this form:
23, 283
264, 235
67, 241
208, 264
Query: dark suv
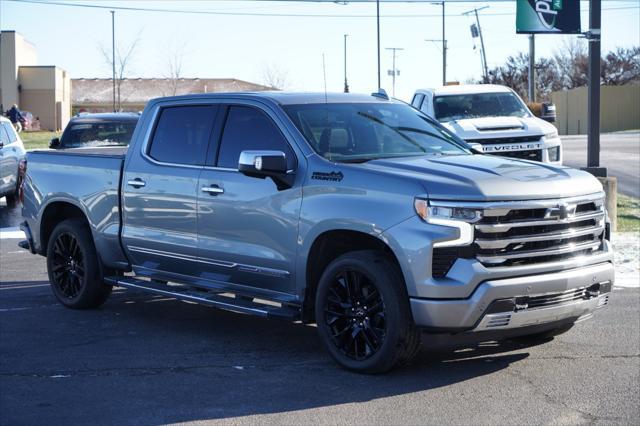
92, 130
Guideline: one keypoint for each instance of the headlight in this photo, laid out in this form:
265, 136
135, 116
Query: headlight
453, 217
551, 135
554, 153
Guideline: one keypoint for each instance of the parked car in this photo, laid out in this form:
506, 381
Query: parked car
357, 213
92, 130
494, 119
12, 154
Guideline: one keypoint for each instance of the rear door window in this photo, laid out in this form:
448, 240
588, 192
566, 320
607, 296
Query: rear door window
417, 100
248, 128
182, 134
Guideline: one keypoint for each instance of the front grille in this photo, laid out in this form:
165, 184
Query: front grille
528, 154
513, 139
522, 233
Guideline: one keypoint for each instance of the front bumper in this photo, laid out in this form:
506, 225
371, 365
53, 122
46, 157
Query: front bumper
519, 302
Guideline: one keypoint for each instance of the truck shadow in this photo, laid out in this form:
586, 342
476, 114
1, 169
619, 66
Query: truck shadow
169, 361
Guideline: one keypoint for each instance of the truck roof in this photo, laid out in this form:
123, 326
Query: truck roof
469, 89
292, 98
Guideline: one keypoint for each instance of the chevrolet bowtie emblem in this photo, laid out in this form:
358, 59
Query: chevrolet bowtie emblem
561, 211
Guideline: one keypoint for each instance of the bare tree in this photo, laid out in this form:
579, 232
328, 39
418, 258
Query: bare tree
123, 58
515, 74
174, 66
572, 62
275, 77
621, 66
567, 69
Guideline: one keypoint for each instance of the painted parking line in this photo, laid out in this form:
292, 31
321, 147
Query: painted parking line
11, 233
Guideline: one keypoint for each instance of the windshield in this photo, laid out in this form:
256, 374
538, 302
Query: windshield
359, 132
98, 134
458, 107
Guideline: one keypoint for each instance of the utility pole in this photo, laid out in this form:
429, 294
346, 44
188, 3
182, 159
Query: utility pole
113, 56
532, 68
378, 32
593, 101
346, 85
444, 46
483, 56
444, 57
394, 72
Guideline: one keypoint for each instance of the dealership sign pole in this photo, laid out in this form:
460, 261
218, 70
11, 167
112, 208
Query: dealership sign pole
593, 137
563, 17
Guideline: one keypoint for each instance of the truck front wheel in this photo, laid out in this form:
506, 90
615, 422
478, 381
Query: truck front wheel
363, 314
74, 267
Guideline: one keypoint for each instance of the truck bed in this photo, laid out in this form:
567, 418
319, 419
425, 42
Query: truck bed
84, 178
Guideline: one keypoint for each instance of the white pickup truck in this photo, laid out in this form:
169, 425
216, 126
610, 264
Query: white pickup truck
494, 117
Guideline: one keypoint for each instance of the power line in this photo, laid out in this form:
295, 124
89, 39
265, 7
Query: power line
276, 15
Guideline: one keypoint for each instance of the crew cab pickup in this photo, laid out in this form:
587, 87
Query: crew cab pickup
493, 119
354, 212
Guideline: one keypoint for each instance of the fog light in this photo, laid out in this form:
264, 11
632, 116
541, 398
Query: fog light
554, 153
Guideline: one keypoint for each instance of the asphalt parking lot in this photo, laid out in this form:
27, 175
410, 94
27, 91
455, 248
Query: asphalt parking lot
147, 360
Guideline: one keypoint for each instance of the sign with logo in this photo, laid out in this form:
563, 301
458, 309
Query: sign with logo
548, 17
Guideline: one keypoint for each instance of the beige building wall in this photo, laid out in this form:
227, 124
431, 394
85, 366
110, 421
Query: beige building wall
15, 52
619, 109
45, 92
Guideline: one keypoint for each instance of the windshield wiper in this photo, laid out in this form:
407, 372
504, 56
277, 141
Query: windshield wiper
395, 129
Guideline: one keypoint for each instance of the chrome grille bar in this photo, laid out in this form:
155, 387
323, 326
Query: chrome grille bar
501, 243
504, 227
502, 257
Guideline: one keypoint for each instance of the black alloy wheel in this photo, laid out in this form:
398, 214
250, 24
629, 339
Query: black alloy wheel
75, 271
354, 312
363, 314
68, 268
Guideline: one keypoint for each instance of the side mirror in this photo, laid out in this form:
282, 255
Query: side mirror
55, 143
548, 112
263, 164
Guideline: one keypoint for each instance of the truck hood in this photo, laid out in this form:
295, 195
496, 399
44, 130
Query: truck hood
499, 127
489, 178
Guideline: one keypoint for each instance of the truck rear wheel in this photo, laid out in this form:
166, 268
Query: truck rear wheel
74, 267
363, 314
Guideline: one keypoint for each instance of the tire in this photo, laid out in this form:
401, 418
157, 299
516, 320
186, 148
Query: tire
545, 335
366, 339
74, 268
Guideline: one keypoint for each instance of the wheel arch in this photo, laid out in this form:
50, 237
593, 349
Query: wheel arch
328, 246
54, 213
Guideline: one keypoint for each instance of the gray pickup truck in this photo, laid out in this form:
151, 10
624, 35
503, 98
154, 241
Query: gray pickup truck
356, 213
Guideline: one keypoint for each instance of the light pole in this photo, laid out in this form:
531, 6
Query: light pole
113, 56
346, 84
394, 72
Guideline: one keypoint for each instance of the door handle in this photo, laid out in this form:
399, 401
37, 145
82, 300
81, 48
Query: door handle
136, 183
212, 190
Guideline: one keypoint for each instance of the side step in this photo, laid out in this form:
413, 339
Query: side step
238, 303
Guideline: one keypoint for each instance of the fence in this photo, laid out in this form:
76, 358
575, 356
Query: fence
619, 109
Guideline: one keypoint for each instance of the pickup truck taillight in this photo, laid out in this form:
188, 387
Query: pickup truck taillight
22, 171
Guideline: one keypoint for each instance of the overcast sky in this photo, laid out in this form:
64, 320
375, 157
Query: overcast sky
228, 46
